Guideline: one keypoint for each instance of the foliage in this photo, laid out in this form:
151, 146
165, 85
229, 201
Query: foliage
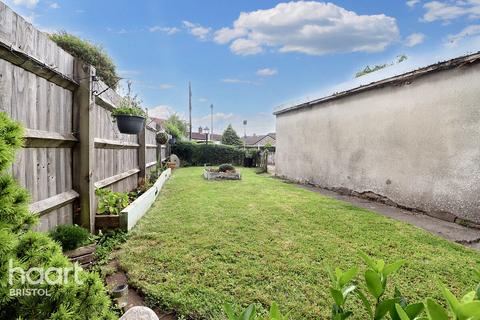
467, 308
176, 127
369, 69
250, 313
252, 158
226, 167
110, 202
264, 240
70, 236
106, 244
129, 106
89, 53
191, 153
156, 172
25, 248
230, 137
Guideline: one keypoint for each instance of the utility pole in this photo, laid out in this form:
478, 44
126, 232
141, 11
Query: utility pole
244, 134
211, 118
190, 110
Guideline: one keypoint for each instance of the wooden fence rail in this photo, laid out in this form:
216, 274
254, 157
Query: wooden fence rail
72, 145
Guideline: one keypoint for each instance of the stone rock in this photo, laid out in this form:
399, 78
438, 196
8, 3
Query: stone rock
175, 159
139, 313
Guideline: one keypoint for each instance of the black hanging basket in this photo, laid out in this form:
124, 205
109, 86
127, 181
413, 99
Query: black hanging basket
130, 124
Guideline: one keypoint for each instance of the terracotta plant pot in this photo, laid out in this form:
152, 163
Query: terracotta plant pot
130, 124
171, 165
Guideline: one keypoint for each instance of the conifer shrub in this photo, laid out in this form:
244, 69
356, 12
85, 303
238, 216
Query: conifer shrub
70, 236
23, 248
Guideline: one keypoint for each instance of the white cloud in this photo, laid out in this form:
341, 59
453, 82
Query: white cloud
117, 31
450, 10
245, 47
165, 86
470, 31
26, 3
161, 111
166, 30
412, 3
239, 81
202, 99
414, 39
309, 27
266, 72
54, 5
197, 30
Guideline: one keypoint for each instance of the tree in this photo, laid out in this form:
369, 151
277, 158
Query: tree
230, 137
176, 127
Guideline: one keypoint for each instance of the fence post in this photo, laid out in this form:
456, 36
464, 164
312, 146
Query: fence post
142, 155
83, 152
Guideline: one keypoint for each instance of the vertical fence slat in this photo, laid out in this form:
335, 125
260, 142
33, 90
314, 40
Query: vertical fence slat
83, 152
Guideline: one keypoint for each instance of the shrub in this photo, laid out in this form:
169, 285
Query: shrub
195, 154
225, 167
70, 236
91, 54
110, 202
23, 248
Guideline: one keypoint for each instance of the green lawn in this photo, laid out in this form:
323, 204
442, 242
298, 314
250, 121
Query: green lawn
262, 240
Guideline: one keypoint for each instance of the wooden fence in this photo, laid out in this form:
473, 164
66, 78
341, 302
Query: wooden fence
72, 145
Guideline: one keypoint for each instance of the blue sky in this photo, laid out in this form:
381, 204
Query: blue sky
249, 57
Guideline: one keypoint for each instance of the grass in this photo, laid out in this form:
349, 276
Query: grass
260, 240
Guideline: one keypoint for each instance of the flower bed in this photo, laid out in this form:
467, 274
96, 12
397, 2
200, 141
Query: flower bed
129, 216
215, 174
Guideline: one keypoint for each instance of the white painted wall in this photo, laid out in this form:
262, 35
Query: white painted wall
417, 144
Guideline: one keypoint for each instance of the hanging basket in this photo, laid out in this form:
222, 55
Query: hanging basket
130, 124
162, 138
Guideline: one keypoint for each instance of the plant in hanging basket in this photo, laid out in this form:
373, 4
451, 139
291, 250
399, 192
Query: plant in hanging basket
162, 137
129, 115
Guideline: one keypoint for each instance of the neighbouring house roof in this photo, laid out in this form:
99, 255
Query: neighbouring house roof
254, 140
211, 137
463, 61
160, 122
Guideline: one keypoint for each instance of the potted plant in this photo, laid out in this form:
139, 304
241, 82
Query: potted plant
130, 117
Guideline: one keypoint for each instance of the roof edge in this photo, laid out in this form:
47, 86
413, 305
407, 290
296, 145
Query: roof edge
439, 66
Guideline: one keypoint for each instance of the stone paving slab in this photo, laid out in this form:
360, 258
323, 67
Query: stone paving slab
447, 230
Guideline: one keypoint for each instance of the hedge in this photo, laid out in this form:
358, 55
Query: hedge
196, 154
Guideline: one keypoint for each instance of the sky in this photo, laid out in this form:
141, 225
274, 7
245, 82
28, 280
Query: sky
249, 58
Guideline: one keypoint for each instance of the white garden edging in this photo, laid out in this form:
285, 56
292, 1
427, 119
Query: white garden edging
137, 209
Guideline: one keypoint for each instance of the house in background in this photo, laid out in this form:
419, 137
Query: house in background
201, 136
259, 141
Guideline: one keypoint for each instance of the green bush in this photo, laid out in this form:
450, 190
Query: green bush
23, 248
91, 54
195, 154
71, 236
226, 167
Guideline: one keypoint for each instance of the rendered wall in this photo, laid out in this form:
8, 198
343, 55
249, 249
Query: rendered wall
417, 144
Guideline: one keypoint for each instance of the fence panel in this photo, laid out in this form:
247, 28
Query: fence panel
44, 108
72, 144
